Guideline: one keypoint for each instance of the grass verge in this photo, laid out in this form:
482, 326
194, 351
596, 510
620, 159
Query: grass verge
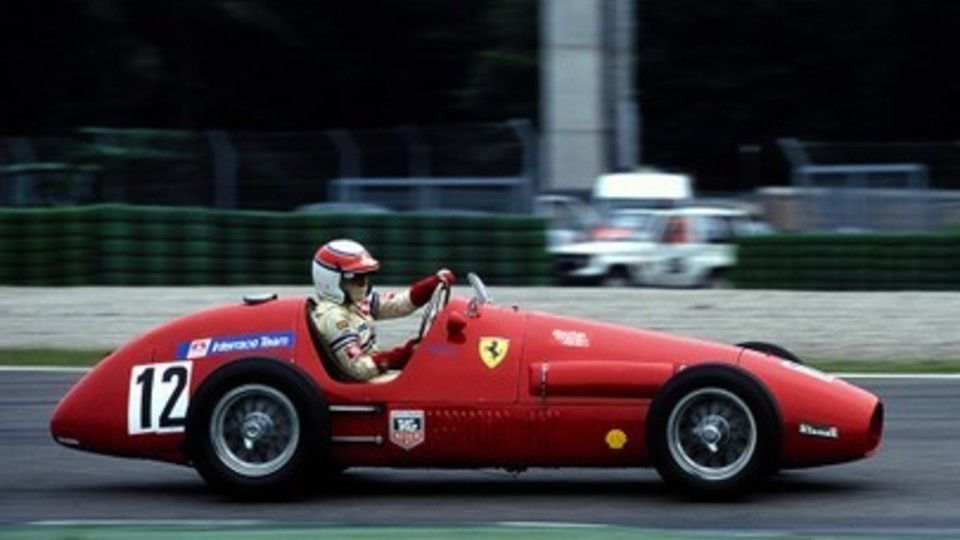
79, 357
949, 365
50, 357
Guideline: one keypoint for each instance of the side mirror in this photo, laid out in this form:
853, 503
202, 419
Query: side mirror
456, 322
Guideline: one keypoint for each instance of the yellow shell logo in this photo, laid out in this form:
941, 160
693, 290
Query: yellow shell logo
616, 439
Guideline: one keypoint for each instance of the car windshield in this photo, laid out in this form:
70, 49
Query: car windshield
636, 222
625, 225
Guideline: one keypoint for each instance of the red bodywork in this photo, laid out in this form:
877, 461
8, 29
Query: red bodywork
567, 392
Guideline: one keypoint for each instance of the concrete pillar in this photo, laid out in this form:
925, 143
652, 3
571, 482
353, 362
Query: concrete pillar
571, 96
588, 111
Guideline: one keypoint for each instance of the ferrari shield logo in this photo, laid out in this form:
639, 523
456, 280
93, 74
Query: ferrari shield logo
493, 350
407, 428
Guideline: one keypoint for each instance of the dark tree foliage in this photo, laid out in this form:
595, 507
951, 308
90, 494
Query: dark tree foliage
264, 65
712, 75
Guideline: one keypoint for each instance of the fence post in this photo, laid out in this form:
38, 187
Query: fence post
523, 130
224, 169
350, 159
793, 150
418, 153
112, 189
22, 152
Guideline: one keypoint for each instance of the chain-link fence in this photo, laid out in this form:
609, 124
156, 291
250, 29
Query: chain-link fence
276, 171
867, 186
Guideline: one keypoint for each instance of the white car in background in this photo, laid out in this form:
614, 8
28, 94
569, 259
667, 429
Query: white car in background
568, 218
679, 247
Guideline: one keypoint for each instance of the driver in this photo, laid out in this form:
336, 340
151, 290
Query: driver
347, 306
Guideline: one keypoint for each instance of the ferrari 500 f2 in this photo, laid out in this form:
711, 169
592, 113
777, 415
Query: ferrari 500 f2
244, 394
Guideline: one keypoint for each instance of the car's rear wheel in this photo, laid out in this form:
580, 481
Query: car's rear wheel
771, 349
712, 432
618, 276
717, 279
256, 428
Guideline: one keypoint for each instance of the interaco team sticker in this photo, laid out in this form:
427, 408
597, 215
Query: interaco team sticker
210, 346
407, 428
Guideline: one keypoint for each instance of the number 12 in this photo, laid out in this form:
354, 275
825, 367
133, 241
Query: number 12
158, 397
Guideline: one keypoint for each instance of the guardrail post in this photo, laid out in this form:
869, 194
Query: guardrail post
350, 158
224, 169
523, 129
418, 153
22, 152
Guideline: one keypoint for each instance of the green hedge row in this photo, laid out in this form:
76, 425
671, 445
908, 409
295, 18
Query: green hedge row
867, 262
132, 245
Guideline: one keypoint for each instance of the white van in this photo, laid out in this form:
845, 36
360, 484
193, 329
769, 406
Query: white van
641, 189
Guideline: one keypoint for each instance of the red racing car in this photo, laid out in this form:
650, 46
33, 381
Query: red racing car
243, 394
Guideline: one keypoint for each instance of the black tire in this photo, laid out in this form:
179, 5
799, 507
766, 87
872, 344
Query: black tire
717, 279
687, 462
297, 429
771, 349
618, 276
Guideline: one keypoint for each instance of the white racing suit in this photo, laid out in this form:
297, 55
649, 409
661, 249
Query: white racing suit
349, 336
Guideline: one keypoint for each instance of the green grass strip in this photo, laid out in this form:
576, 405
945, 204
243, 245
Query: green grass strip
213, 532
50, 357
949, 365
81, 358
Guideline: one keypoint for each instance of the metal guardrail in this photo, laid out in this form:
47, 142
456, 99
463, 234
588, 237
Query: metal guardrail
835, 186
276, 171
509, 194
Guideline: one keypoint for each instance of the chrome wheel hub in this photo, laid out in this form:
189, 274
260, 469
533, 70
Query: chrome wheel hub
713, 431
711, 434
256, 426
254, 430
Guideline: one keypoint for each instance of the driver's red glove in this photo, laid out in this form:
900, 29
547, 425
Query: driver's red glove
421, 291
395, 358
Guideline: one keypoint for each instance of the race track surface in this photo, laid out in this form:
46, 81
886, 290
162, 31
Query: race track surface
912, 486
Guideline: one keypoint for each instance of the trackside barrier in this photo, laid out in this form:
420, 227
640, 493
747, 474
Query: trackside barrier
147, 245
852, 262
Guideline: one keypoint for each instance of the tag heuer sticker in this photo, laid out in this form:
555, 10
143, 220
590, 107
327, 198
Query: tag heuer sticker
407, 428
493, 350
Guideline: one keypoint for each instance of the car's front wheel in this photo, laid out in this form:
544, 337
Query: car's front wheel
713, 432
256, 429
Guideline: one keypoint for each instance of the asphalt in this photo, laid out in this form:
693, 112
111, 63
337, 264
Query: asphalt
910, 487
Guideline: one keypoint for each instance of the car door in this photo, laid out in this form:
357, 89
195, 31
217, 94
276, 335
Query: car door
454, 403
678, 244
716, 251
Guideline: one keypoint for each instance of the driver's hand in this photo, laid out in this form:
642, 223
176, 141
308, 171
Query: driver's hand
446, 276
421, 291
395, 358
406, 352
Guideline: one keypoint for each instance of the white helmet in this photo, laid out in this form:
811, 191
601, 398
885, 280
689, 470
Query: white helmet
335, 264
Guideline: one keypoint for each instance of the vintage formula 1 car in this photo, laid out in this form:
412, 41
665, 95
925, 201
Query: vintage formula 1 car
243, 394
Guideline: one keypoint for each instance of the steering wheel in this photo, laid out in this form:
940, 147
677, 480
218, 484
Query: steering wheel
441, 295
